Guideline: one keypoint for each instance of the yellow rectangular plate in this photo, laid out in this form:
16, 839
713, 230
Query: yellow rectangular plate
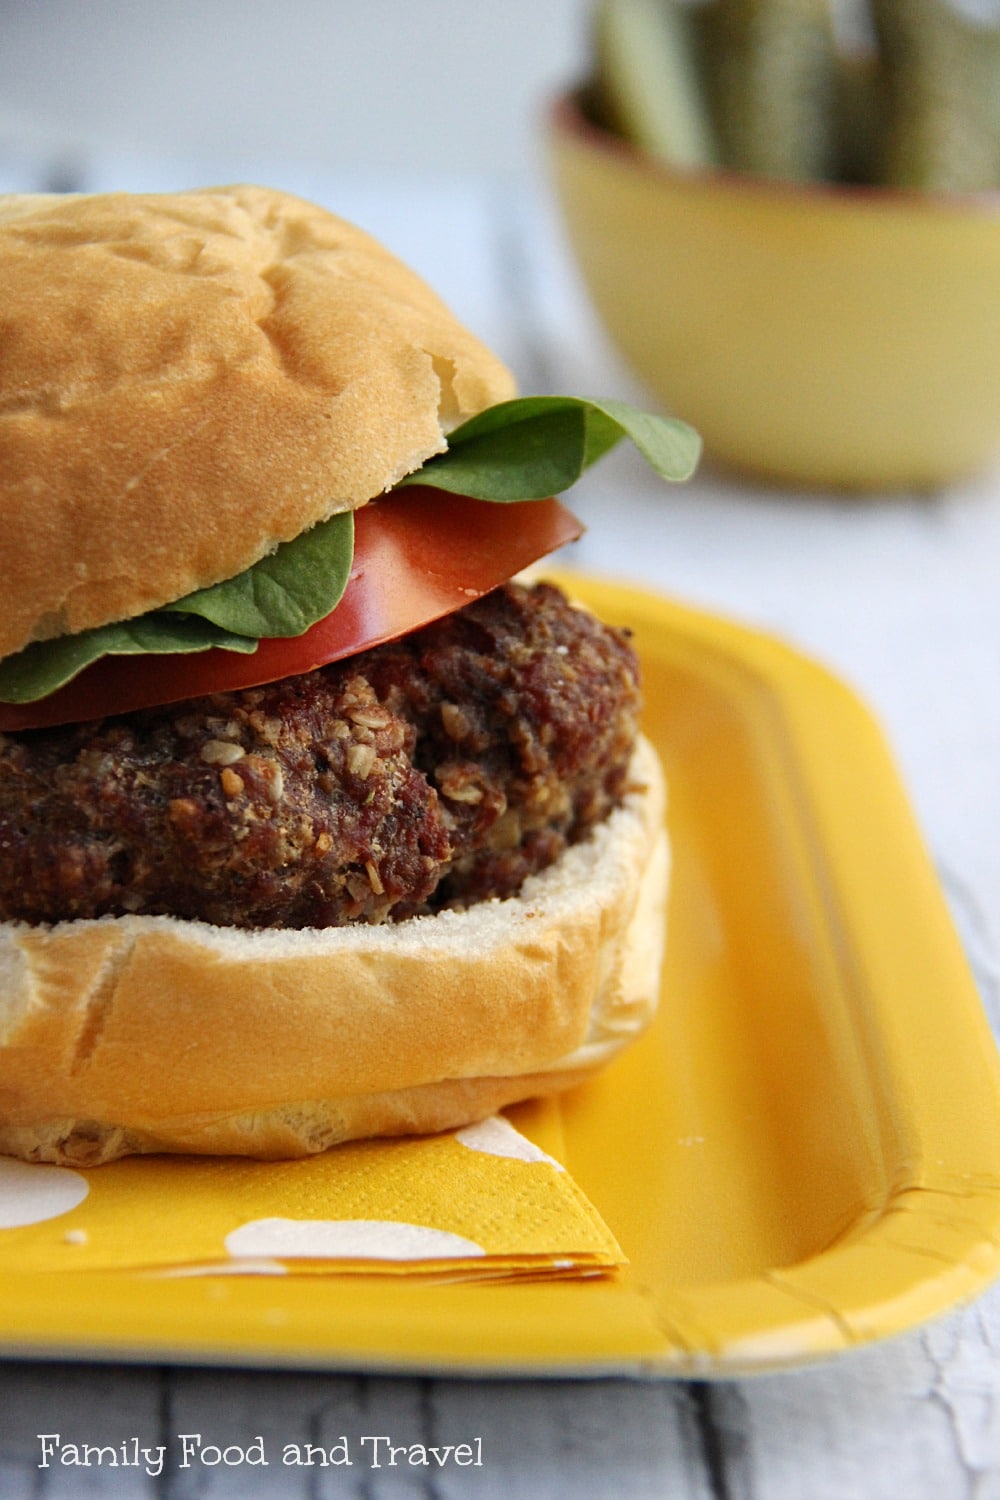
802, 1154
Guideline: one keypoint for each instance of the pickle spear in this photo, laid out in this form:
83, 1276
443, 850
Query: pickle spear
942, 66
647, 79
771, 69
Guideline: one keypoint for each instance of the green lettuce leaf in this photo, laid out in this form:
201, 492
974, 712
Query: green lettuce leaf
46, 665
286, 592
524, 449
536, 446
281, 595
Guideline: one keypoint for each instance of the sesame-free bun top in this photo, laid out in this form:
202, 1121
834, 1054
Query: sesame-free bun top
187, 380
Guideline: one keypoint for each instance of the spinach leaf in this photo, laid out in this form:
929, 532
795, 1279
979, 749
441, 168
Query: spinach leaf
43, 666
536, 446
285, 592
525, 449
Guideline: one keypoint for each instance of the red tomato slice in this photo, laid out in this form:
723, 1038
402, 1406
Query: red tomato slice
418, 554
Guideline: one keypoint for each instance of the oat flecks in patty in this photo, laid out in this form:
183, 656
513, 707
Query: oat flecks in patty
437, 770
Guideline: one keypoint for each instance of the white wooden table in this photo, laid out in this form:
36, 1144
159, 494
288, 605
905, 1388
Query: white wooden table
901, 599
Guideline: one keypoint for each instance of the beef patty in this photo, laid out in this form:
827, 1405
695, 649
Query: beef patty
434, 771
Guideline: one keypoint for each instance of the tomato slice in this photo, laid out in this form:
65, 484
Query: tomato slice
419, 553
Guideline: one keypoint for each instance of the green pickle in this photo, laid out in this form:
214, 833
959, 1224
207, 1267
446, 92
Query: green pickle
859, 118
903, 93
648, 88
770, 74
942, 65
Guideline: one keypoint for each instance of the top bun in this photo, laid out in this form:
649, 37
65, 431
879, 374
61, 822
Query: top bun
187, 380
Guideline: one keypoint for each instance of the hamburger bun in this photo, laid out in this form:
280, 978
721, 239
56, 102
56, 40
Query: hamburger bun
145, 1034
188, 381
174, 364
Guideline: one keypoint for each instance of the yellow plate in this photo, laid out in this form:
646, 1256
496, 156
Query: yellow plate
801, 1155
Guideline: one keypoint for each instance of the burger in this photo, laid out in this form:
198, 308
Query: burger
315, 823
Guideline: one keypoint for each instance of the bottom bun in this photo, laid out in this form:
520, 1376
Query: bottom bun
142, 1034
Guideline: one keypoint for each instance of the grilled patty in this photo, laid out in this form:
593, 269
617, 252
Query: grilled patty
437, 770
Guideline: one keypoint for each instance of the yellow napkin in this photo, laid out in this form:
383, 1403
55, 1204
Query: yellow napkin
484, 1202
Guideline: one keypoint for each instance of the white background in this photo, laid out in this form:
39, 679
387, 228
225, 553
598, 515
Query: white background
384, 85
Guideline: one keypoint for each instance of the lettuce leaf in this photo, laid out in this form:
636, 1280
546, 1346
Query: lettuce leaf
46, 665
536, 446
282, 595
525, 449
286, 592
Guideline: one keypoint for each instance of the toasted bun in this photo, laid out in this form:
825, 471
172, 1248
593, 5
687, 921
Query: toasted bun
140, 1034
187, 380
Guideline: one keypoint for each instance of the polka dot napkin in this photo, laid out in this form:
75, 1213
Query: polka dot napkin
480, 1203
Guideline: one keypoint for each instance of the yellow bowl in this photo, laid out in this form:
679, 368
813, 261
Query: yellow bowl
840, 337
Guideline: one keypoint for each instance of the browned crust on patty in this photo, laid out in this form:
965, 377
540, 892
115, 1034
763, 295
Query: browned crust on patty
438, 770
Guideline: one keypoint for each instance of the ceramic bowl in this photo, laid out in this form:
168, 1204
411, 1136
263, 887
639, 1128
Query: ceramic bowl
844, 338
